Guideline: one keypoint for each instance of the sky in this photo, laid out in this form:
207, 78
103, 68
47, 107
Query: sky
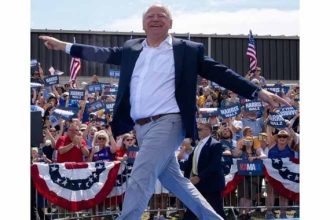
263, 17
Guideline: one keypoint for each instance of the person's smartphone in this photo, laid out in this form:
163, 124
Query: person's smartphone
40, 153
224, 124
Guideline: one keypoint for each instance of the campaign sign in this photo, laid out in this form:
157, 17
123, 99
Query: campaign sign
36, 108
106, 88
276, 120
201, 120
114, 73
253, 106
277, 89
97, 87
208, 112
215, 85
77, 94
34, 65
247, 168
109, 107
35, 85
54, 119
65, 113
285, 89
52, 80
113, 90
287, 112
230, 111
95, 106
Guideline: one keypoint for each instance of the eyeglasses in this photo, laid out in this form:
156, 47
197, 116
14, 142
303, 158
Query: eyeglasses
101, 138
282, 136
129, 139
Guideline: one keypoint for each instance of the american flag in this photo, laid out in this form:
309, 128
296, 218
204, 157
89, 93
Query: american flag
74, 69
252, 53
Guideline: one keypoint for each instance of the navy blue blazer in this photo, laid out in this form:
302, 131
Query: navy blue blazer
189, 61
209, 167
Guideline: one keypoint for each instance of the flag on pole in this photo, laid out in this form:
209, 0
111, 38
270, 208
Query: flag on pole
74, 69
252, 53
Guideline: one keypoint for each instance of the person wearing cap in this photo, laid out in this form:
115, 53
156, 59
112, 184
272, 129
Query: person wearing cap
279, 150
157, 95
257, 76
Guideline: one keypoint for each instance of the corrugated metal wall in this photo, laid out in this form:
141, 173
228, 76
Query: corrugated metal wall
277, 56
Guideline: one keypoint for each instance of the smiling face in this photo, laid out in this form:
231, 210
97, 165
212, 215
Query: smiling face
156, 23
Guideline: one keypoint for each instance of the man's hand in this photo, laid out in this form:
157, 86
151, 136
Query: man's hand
272, 99
53, 43
77, 140
194, 179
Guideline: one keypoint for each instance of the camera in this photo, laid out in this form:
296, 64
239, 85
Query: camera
40, 152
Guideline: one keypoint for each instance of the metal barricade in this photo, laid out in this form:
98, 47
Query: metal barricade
253, 196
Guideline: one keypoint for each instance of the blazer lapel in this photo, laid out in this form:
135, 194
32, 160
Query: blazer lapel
178, 50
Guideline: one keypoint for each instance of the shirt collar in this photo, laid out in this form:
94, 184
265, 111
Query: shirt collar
205, 139
168, 42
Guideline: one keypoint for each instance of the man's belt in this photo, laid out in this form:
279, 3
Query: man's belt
143, 121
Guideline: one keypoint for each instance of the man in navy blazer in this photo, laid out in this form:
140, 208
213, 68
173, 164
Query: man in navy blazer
205, 171
156, 95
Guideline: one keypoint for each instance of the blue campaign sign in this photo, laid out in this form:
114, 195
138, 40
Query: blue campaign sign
106, 88
52, 80
64, 113
247, 168
114, 73
274, 89
230, 111
287, 112
208, 112
77, 94
201, 120
285, 89
277, 89
34, 65
113, 90
253, 106
95, 106
276, 120
54, 119
35, 85
97, 87
109, 107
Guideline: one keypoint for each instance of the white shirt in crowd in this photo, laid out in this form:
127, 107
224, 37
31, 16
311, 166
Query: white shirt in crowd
197, 152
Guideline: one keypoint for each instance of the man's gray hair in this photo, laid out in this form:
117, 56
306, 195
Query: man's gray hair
166, 9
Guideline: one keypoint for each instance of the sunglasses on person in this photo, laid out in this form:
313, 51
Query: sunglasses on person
129, 139
101, 138
282, 136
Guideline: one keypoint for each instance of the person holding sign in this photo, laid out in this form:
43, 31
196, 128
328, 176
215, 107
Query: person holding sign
248, 150
161, 65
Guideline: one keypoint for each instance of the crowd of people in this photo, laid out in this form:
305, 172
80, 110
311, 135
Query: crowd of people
88, 136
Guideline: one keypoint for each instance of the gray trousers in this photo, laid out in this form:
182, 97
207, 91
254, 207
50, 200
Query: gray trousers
158, 140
